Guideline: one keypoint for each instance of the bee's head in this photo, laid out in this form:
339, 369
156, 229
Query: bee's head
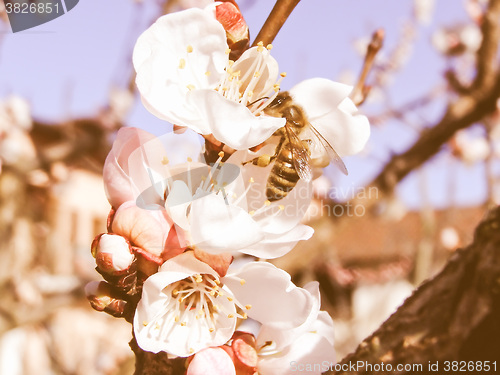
282, 100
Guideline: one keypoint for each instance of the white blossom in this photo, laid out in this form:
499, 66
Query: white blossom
187, 307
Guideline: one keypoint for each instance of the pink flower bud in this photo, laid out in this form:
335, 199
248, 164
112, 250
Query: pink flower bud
113, 253
237, 34
99, 295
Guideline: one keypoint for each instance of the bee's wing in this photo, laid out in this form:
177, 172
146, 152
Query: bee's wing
332, 154
300, 155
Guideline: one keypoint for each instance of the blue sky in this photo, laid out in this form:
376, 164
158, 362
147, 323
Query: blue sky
66, 68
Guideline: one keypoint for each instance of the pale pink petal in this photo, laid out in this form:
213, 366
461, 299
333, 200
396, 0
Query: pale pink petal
211, 361
118, 182
148, 229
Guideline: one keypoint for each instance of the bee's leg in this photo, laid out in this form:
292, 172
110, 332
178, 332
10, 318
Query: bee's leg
265, 160
261, 161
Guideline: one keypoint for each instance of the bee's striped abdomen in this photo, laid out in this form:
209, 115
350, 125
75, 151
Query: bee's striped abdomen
283, 176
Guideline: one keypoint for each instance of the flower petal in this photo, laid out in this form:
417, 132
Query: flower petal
276, 245
279, 216
312, 348
144, 228
232, 123
156, 323
333, 114
217, 227
257, 59
173, 56
281, 307
124, 176
211, 361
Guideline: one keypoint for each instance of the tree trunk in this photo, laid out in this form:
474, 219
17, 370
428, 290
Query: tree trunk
455, 316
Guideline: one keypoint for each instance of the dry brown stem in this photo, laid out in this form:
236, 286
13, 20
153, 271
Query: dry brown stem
361, 90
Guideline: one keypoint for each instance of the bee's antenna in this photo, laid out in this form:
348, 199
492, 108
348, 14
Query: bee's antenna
258, 100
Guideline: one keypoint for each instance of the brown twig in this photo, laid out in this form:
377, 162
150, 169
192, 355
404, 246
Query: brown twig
361, 90
281, 11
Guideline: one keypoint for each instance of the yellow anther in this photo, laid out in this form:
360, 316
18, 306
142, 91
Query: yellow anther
230, 299
242, 282
189, 159
211, 330
176, 319
244, 316
248, 307
251, 180
250, 94
183, 324
182, 64
267, 203
144, 323
189, 48
256, 74
269, 47
221, 154
191, 350
260, 46
281, 207
231, 63
217, 281
175, 293
230, 316
190, 87
165, 160
157, 326
180, 299
208, 72
252, 213
283, 74
228, 51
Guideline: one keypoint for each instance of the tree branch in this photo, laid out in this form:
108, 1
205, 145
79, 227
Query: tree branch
470, 107
281, 11
453, 316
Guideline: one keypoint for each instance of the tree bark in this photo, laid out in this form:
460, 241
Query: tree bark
455, 316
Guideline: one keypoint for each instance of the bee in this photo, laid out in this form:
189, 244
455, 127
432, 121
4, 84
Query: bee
292, 156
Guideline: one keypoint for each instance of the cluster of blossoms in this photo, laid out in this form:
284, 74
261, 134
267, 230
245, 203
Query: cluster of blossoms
185, 230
